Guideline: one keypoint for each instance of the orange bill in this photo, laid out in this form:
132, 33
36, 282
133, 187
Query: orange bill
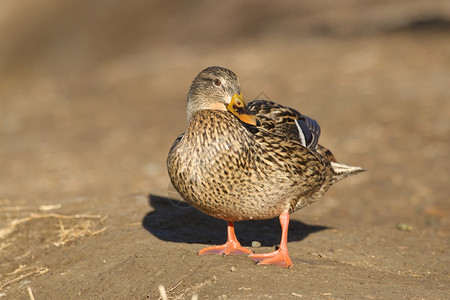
237, 107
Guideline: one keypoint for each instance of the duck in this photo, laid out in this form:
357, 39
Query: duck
254, 161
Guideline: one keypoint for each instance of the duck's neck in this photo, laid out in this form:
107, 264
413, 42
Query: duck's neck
200, 105
219, 129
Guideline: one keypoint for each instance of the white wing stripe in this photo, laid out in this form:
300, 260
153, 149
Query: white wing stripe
301, 134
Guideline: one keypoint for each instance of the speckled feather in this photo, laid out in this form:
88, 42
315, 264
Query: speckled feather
225, 170
285, 122
235, 171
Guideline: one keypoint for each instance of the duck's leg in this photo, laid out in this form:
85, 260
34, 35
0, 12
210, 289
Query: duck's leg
231, 247
281, 256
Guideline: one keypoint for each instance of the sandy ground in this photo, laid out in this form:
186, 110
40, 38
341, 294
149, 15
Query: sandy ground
92, 96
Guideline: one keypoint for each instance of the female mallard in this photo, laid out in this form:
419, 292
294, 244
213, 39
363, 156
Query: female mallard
247, 162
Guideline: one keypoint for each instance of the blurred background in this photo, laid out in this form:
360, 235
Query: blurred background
92, 94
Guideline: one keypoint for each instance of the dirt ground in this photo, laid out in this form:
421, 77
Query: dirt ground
92, 95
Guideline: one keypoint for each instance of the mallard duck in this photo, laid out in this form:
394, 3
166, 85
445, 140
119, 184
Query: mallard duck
248, 162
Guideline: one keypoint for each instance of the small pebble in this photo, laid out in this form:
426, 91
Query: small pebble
404, 227
256, 244
233, 269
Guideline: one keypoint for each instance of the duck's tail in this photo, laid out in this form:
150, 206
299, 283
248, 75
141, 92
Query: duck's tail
341, 171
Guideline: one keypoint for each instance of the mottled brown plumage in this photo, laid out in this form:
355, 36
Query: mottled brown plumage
238, 162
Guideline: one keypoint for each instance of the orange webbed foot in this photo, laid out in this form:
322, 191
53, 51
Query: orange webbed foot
277, 258
229, 248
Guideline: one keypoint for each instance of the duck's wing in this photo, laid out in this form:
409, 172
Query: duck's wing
286, 123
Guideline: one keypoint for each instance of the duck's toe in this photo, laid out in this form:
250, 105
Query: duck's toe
229, 248
278, 258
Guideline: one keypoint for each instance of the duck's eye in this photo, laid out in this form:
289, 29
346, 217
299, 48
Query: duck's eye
217, 82
239, 103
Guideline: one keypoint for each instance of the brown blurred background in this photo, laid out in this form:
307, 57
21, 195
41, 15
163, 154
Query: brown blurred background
92, 95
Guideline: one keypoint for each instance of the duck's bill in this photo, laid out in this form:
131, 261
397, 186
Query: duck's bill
237, 107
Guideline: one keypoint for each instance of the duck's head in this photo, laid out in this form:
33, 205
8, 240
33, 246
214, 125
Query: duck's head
217, 88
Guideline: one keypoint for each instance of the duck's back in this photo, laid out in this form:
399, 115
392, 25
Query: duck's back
287, 123
238, 172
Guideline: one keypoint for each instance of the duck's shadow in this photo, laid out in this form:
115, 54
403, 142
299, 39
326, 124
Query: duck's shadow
176, 221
